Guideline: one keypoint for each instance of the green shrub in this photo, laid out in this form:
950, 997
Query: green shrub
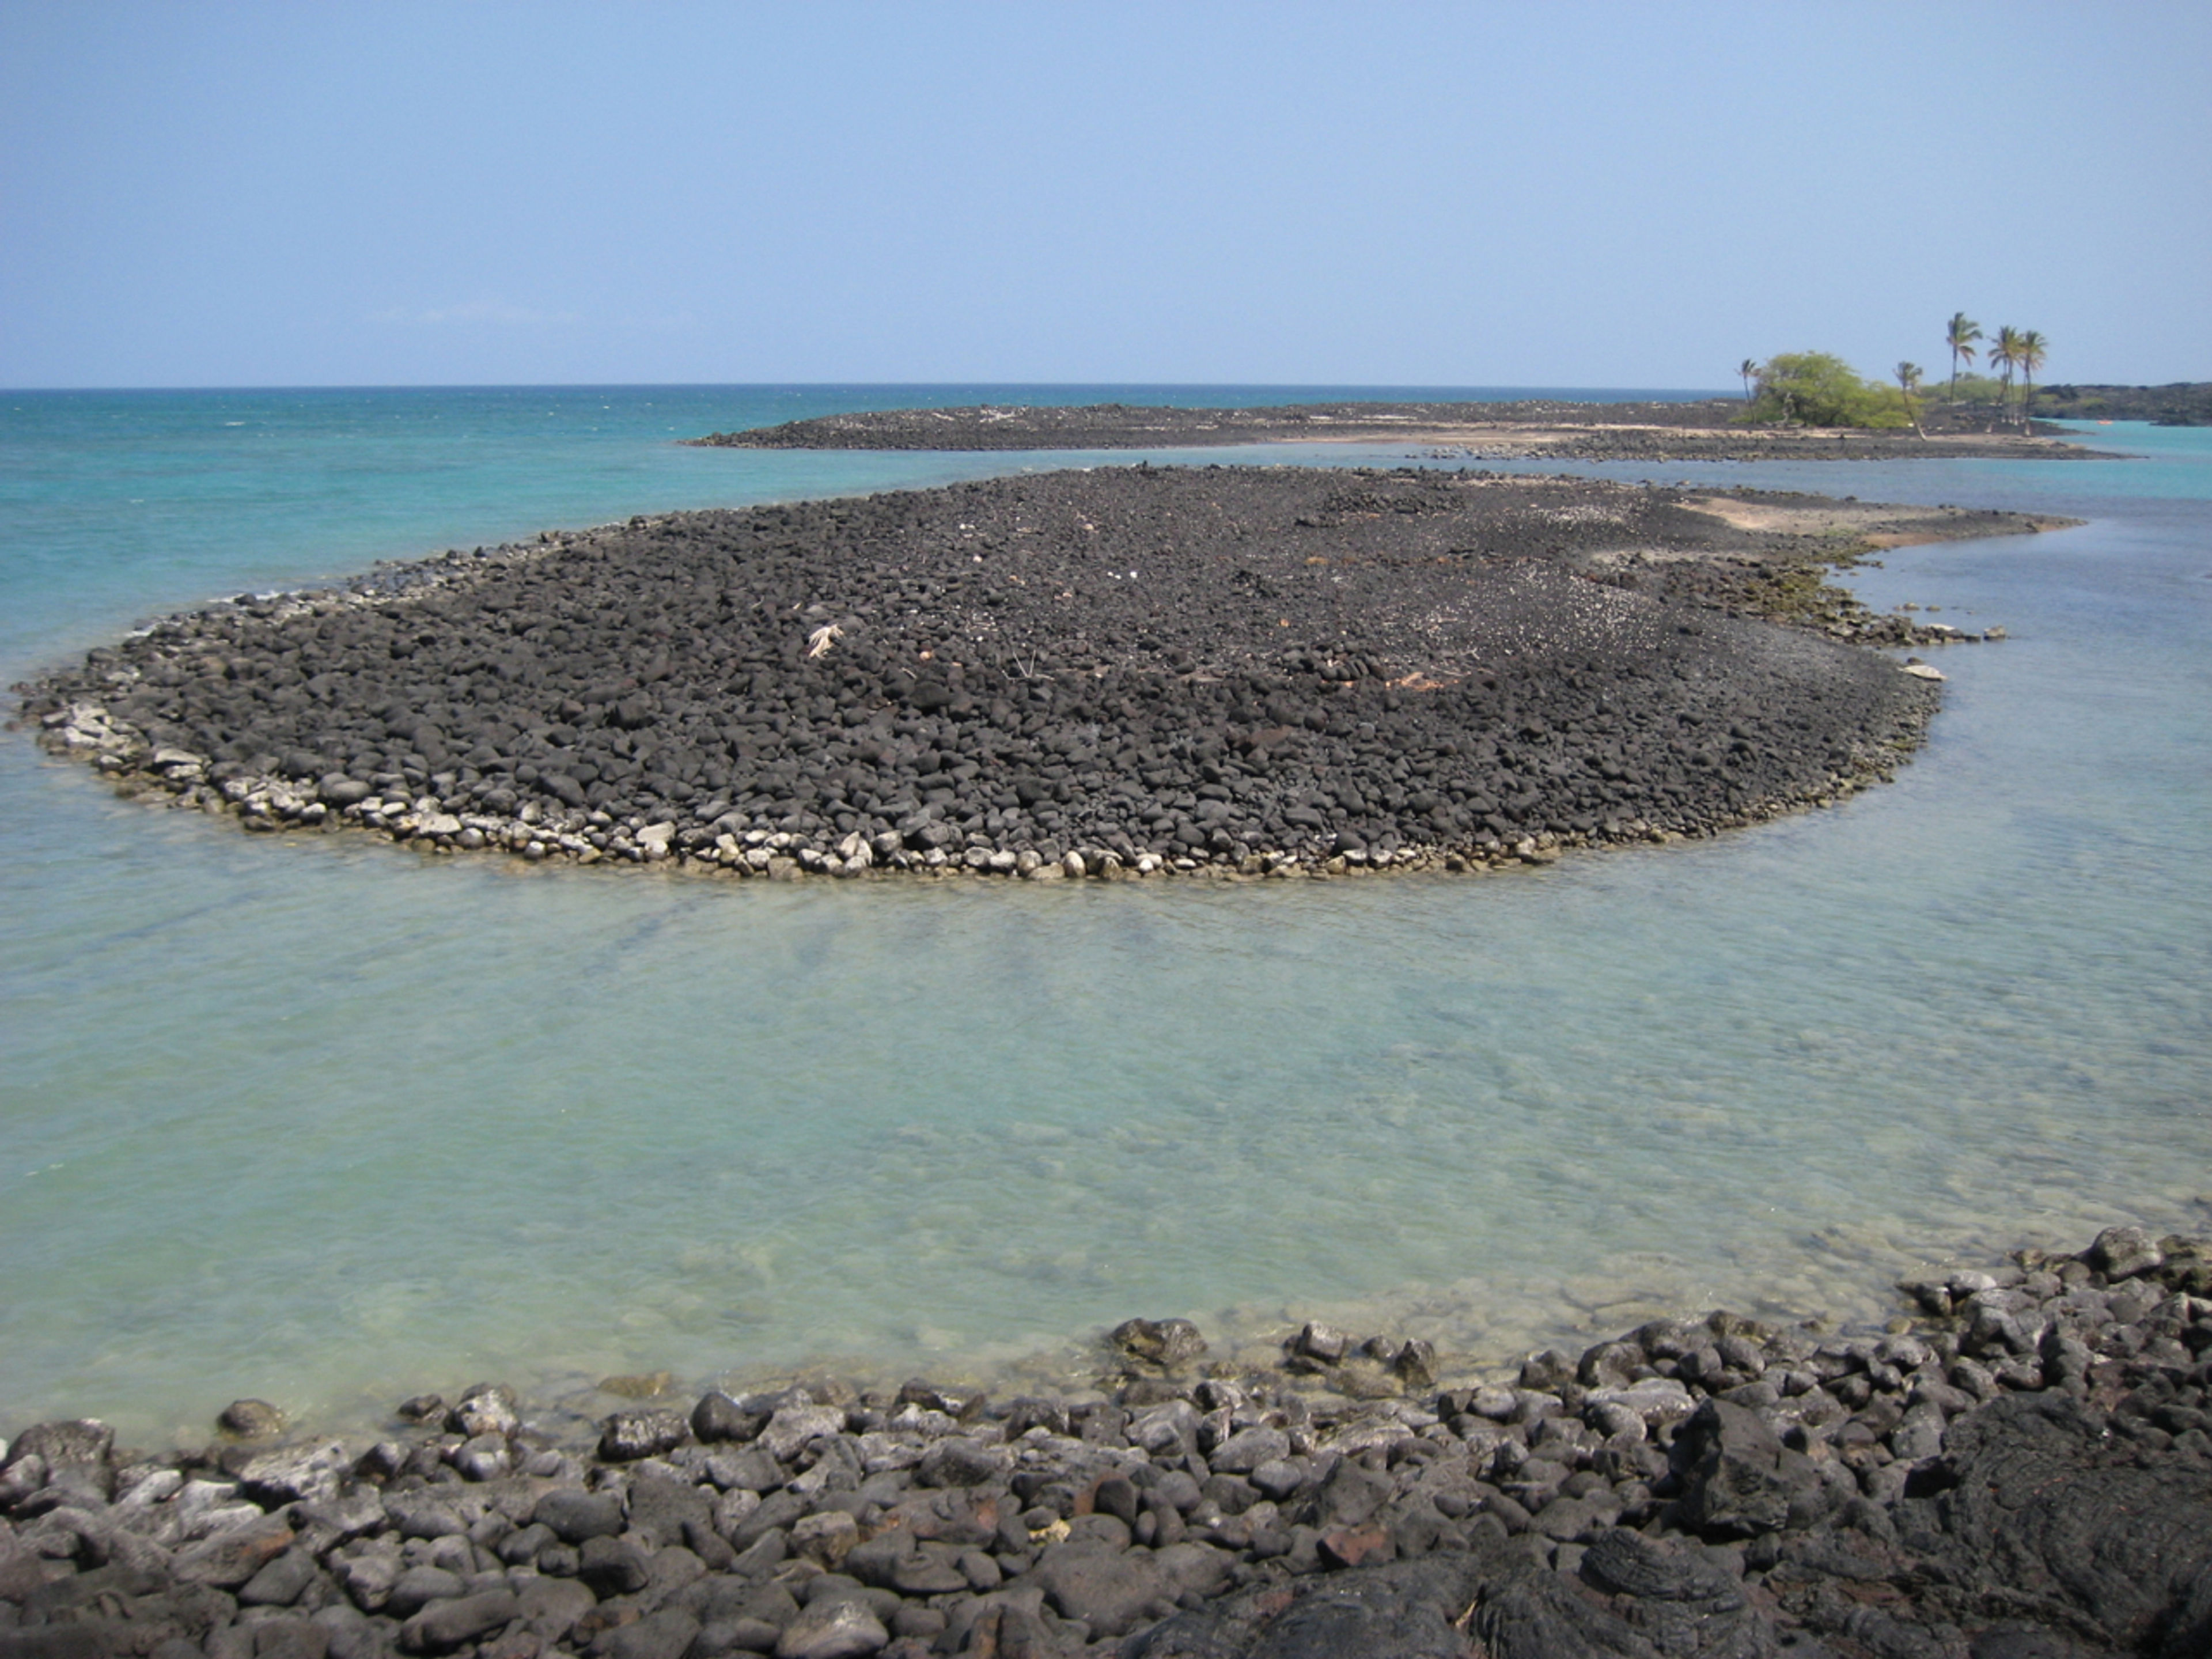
1813, 388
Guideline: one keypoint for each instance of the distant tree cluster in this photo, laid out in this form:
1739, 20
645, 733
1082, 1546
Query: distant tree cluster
1813, 388
2014, 351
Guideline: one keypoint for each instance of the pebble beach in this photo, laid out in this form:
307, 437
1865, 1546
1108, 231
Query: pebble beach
2019, 1463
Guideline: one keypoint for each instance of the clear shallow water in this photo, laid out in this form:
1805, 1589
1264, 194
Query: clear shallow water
329, 1124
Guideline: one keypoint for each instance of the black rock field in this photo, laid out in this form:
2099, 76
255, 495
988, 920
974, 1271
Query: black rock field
2018, 1467
1251, 670
1710, 430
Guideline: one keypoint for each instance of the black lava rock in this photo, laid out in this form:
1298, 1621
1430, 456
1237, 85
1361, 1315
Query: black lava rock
1234, 669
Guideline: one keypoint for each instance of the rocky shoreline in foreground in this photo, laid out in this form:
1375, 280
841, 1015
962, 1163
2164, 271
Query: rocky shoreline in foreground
2019, 1467
1229, 672
1705, 430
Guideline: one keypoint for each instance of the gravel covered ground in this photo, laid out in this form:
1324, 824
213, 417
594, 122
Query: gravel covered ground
1601, 432
1257, 670
2020, 1467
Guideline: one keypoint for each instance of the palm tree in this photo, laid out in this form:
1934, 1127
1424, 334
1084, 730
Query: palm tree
1962, 332
1908, 382
2004, 355
2032, 349
1749, 370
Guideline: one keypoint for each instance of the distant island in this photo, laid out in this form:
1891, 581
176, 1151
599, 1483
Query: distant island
1705, 429
1819, 389
2185, 403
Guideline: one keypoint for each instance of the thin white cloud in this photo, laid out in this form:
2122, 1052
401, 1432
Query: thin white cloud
496, 313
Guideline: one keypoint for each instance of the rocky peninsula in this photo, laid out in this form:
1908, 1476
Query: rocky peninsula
1548, 429
1256, 672
2018, 1467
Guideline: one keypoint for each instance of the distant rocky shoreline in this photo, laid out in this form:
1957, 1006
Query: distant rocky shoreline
2020, 1467
2184, 402
1230, 671
1547, 430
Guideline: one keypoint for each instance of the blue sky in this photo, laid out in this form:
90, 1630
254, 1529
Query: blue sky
1566, 194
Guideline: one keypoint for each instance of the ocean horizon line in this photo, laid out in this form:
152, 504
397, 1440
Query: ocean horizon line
1617, 394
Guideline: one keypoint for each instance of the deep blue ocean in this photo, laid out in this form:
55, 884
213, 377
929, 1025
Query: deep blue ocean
329, 1124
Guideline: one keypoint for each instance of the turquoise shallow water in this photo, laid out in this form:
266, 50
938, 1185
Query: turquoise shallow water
330, 1124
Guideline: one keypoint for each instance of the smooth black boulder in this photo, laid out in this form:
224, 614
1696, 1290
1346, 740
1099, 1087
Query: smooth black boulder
1739, 1477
